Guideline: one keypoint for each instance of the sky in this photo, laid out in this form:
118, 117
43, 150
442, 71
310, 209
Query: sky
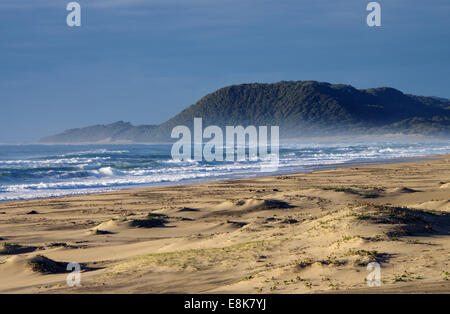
143, 61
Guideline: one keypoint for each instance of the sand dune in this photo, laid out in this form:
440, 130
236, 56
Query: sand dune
301, 233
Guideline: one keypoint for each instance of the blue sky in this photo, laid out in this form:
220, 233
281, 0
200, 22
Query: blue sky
145, 60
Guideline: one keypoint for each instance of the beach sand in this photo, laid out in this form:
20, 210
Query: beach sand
311, 232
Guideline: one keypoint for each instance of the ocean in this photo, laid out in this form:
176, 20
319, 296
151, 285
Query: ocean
41, 171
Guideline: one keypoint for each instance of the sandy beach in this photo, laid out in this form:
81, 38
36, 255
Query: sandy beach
311, 232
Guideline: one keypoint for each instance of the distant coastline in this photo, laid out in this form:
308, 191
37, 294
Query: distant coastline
302, 109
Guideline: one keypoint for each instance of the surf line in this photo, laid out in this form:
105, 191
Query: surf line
236, 141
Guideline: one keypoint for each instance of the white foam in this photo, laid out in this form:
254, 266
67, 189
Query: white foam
107, 171
100, 173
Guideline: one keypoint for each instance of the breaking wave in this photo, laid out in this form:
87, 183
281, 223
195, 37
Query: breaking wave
39, 171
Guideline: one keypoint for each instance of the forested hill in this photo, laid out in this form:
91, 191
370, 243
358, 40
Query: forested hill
301, 108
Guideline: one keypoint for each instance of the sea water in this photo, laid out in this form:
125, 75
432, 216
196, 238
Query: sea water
40, 171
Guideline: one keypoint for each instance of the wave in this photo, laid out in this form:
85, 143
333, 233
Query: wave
26, 163
59, 172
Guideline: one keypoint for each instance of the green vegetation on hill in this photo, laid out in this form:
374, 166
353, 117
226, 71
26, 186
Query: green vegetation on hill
300, 108
114, 132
